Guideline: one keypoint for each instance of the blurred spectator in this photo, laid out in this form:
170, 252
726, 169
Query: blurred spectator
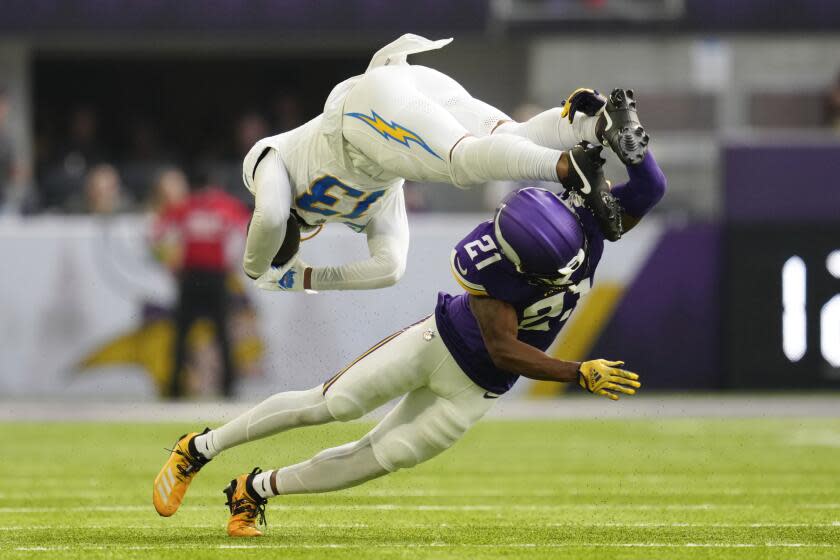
7, 150
286, 112
103, 191
65, 173
170, 188
143, 159
832, 105
201, 225
250, 128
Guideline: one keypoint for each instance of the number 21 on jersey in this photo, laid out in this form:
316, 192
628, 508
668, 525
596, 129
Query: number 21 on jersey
534, 317
485, 245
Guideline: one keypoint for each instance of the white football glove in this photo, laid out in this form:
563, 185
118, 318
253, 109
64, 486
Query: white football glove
288, 278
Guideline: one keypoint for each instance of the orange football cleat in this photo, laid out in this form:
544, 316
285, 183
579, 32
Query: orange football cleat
246, 506
174, 478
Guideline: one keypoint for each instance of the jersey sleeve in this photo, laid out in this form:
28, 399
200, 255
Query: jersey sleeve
387, 236
479, 267
644, 189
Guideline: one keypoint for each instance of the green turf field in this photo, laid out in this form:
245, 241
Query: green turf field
676, 488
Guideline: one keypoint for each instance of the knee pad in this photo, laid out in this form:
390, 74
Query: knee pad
410, 444
343, 407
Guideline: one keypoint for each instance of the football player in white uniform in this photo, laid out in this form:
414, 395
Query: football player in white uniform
399, 121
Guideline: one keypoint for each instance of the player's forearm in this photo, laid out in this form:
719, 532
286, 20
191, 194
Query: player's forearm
369, 274
265, 235
645, 188
272, 207
517, 357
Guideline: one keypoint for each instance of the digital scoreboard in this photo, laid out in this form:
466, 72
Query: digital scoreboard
781, 305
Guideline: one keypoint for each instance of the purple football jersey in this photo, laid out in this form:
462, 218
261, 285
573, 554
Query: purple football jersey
480, 268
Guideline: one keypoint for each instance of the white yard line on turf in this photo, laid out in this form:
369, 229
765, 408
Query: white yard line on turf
398, 525
291, 546
66, 492
403, 507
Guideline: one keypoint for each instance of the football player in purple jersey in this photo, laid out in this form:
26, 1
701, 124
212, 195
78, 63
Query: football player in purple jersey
523, 273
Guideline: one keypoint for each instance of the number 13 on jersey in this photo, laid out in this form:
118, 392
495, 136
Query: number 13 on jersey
326, 195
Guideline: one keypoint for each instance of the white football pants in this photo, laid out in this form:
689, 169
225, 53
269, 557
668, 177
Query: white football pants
439, 405
421, 125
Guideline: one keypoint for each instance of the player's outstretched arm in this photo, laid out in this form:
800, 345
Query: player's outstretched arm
499, 325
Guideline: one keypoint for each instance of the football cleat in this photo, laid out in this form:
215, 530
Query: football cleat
586, 182
620, 129
246, 506
179, 470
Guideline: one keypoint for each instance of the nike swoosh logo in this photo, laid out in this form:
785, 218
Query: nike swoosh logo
586, 188
462, 270
489, 395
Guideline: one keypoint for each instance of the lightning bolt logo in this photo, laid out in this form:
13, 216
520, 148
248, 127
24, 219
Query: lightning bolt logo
392, 130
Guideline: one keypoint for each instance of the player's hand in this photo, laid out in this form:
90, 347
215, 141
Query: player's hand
288, 278
605, 378
583, 100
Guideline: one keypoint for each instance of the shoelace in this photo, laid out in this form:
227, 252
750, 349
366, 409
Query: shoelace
194, 464
254, 508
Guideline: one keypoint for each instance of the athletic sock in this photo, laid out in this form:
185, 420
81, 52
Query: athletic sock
585, 128
204, 444
262, 484
551, 130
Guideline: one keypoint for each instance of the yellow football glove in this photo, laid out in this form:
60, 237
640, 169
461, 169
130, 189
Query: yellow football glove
602, 376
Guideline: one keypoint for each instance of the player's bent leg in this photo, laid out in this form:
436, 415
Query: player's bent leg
395, 366
332, 469
478, 117
398, 128
276, 414
421, 426
429, 420
562, 127
502, 157
408, 134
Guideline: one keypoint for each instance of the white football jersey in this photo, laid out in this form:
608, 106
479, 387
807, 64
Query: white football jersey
325, 189
331, 180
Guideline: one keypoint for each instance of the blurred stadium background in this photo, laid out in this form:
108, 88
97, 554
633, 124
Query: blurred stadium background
100, 99
110, 108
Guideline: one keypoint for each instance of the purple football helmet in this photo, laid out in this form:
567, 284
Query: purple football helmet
540, 235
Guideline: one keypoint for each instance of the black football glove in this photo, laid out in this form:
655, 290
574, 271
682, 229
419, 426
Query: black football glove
587, 101
586, 180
